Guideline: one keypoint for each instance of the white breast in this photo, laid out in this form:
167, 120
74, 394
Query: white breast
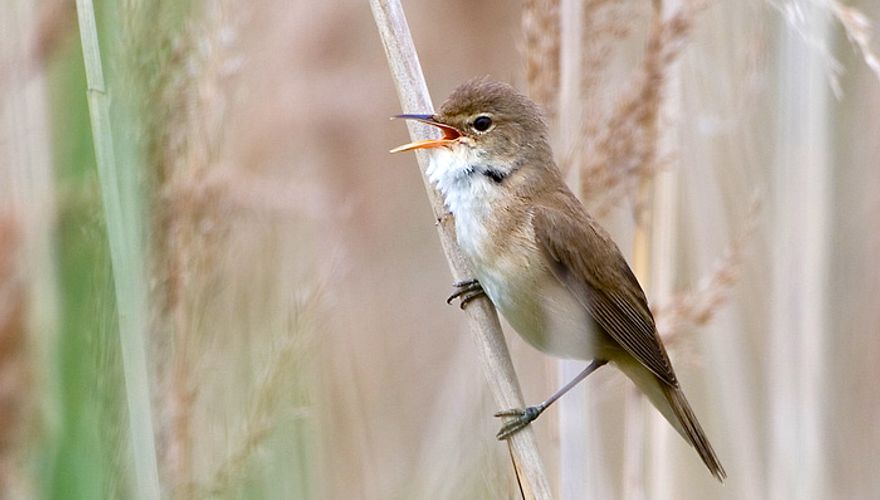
520, 285
467, 195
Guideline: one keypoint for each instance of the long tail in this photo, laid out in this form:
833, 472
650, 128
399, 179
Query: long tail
689, 427
673, 405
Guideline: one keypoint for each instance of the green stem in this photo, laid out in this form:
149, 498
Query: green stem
123, 232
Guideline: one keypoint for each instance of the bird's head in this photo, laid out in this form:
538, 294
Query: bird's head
490, 124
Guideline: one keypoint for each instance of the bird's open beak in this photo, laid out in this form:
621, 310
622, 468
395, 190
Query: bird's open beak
450, 134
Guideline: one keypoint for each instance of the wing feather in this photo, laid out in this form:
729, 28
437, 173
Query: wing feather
590, 265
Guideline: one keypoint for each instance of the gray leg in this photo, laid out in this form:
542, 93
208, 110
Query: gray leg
524, 416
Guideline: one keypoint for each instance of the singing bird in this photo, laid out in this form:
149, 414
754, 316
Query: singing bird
544, 262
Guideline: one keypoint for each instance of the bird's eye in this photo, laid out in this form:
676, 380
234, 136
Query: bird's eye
482, 123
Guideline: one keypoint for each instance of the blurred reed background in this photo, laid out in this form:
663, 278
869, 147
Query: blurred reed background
283, 272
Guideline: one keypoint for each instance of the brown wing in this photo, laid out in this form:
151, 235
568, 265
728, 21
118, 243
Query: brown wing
590, 265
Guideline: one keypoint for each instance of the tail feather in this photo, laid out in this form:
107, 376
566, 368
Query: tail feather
673, 405
692, 431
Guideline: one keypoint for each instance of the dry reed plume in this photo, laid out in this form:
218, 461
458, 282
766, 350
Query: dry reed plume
614, 158
623, 153
859, 32
696, 306
619, 150
189, 226
855, 24
218, 223
540, 26
605, 24
290, 355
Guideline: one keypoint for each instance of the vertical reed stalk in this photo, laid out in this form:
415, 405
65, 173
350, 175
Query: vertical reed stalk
635, 403
582, 474
713, 176
797, 361
732, 376
497, 366
123, 218
663, 238
574, 442
663, 271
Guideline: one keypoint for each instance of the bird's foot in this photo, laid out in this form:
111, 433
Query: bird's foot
466, 291
443, 218
521, 418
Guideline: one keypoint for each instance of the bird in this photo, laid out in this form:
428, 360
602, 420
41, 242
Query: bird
551, 270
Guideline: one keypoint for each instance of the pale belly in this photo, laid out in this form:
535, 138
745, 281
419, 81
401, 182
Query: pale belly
538, 306
511, 270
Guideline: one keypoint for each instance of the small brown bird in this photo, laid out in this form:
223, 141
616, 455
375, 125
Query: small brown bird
550, 269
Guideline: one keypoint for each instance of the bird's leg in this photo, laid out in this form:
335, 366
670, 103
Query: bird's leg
524, 416
467, 290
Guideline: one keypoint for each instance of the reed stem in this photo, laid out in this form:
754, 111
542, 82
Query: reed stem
123, 220
482, 318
